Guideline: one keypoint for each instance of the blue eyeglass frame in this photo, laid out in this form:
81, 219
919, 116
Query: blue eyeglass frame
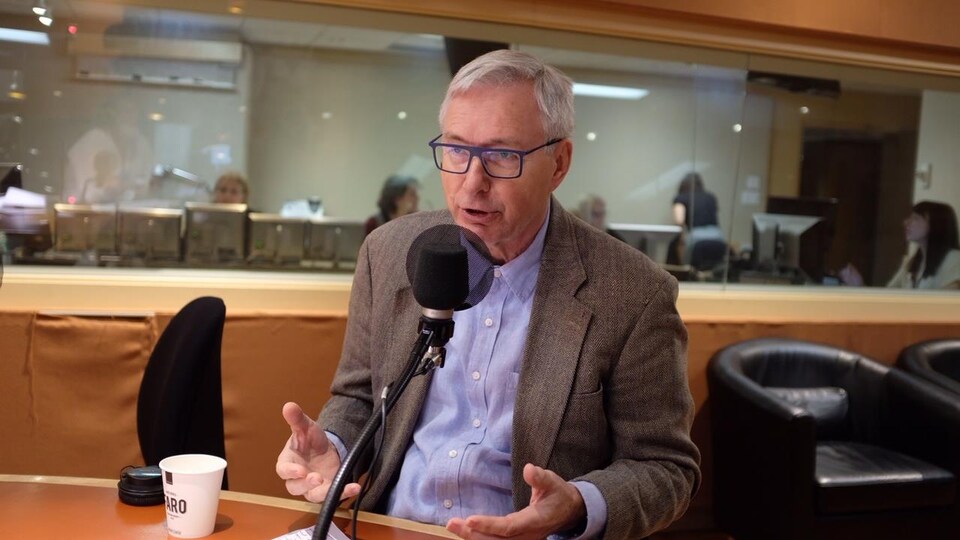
477, 151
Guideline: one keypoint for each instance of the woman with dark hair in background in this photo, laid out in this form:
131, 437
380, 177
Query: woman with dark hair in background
936, 262
694, 209
400, 196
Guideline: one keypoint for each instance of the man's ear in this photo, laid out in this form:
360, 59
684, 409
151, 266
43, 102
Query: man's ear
562, 155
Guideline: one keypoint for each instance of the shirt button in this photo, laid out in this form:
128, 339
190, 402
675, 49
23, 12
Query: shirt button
475, 375
452, 453
447, 503
497, 272
488, 322
476, 422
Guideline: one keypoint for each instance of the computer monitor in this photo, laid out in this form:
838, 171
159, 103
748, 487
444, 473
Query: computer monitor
653, 240
151, 234
815, 251
778, 240
85, 227
215, 233
27, 230
275, 239
335, 243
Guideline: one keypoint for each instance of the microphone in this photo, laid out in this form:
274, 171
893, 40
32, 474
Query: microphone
441, 285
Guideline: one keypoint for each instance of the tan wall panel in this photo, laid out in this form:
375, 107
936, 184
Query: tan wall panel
270, 359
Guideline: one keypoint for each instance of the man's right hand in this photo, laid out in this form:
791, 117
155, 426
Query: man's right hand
309, 461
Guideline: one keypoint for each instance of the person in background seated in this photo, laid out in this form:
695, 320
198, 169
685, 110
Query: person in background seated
399, 196
694, 209
113, 160
935, 264
105, 186
593, 209
231, 188
564, 406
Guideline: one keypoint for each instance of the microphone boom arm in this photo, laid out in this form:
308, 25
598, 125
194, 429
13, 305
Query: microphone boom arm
427, 353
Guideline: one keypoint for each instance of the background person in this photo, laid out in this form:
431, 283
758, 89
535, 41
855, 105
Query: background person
114, 156
694, 209
231, 188
564, 404
935, 264
593, 209
399, 196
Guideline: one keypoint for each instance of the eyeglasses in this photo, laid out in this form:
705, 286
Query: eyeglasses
497, 162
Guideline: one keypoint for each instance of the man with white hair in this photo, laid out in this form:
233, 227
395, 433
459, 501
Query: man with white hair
563, 408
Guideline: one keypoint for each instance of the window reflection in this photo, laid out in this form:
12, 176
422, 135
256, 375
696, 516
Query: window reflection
798, 184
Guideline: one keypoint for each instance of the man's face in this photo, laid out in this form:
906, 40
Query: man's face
505, 214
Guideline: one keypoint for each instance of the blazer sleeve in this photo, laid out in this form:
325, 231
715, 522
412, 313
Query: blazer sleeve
654, 470
351, 401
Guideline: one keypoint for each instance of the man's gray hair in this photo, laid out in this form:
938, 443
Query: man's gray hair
504, 67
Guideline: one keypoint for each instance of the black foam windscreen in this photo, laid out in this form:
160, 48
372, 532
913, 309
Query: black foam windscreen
479, 268
442, 278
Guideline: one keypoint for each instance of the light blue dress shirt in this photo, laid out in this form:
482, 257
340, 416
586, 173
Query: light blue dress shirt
458, 462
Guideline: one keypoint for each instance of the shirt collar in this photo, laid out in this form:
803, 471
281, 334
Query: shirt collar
520, 274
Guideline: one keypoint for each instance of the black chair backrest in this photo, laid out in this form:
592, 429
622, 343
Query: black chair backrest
707, 253
936, 360
180, 406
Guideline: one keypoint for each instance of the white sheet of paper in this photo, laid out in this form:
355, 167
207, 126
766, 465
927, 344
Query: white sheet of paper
306, 534
24, 198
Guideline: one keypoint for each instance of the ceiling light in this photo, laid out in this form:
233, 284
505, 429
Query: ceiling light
46, 21
604, 91
40, 8
24, 36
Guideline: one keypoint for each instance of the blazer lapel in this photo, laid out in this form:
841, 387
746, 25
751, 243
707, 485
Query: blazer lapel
558, 325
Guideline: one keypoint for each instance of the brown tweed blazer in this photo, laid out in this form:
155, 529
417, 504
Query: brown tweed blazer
603, 392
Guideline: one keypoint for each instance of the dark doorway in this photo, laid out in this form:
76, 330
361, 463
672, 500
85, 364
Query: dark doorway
846, 166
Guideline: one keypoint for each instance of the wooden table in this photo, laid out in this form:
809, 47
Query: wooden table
79, 508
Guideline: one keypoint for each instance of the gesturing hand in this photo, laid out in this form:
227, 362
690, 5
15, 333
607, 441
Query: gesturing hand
555, 505
308, 462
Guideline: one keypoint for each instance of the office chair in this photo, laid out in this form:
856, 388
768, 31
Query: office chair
707, 254
180, 405
812, 441
936, 360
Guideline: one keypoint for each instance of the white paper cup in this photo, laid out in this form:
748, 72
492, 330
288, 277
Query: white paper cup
191, 492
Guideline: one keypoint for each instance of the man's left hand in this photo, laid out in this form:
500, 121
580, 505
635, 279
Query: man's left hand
555, 505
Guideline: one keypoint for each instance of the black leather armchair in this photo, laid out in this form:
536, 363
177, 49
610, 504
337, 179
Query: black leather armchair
937, 361
180, 405
812, 441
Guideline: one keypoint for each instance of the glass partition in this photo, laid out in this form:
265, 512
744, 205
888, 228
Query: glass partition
733, 171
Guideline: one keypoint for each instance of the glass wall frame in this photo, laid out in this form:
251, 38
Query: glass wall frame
328, 102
